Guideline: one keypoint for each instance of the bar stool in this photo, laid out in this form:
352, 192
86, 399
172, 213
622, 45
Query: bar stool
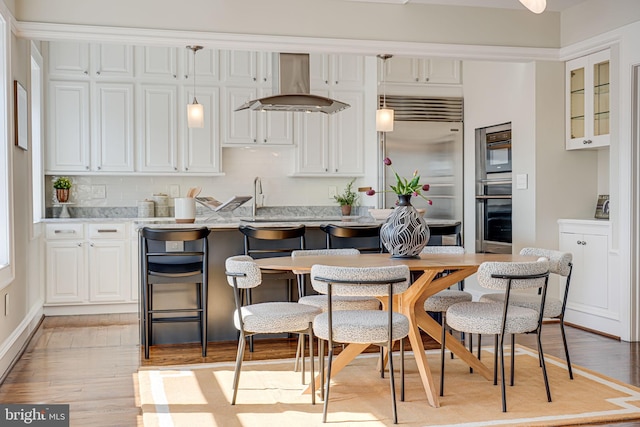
439, 231
365, 235
161, 266
261, 242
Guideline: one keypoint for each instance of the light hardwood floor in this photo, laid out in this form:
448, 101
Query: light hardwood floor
90, 363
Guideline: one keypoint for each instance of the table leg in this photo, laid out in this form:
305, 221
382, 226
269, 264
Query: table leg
434, 329
349, 353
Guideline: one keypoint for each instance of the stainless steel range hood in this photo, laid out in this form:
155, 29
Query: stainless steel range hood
291, 82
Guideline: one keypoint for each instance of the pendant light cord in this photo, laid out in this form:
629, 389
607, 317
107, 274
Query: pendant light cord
195, 101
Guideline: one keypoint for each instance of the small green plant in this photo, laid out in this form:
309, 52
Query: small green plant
62, 183
348, 197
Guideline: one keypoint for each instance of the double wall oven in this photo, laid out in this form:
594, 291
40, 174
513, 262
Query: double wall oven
493, 189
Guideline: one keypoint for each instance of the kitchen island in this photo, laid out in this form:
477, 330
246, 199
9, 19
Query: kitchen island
224, 241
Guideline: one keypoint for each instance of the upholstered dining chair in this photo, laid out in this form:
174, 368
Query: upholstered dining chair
361, 326
560, 263
440, 302
260, 242
264, 318
320, 301
505, 319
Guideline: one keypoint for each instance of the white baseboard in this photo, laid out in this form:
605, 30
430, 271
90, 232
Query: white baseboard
71, 310
12, 348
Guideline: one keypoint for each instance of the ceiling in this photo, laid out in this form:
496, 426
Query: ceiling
552, 5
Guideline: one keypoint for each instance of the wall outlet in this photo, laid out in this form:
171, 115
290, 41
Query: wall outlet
174, 190
333, 191
174, 246
98, 191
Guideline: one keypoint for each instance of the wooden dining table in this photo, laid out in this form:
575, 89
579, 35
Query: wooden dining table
410, 303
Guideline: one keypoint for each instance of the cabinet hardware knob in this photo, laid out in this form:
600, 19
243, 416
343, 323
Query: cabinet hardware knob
175, 168
86, 73
86, 167
186, 77
99, 167
417, 79
587, 141
584, 243
91, 244
98, 72
175, 76
336, 169
265, 140
80, 244
326, 170
186, 169
255, 140
264, 79
337, 82
255, 79
426, 79
326, 82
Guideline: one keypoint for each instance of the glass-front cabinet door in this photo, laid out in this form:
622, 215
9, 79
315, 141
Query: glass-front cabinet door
588, 104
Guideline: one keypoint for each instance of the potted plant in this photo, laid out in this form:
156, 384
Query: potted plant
62, 186
347, 199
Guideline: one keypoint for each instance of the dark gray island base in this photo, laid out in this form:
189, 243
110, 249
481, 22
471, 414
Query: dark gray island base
225, 241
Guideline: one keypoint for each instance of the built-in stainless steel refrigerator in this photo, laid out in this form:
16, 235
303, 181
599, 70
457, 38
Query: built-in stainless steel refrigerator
435, 150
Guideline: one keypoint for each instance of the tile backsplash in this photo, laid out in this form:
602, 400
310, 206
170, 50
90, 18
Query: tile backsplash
274, 166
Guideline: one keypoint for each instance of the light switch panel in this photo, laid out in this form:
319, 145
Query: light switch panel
522, 181
98, 191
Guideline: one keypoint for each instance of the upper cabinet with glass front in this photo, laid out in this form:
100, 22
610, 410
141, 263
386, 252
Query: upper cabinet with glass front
588, 105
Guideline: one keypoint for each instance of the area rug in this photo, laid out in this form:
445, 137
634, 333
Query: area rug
270, 394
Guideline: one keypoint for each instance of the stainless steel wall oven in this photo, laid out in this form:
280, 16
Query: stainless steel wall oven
493, 189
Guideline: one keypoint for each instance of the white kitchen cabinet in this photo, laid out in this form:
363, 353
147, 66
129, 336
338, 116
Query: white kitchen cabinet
112, 144
112, 60
109, 270
201, 146
87, 265
330, 72
66, 272
333, 144
246, 68
155, 62
158, 151
593, 299
207, 63
68, 127
421, 71
587, 101
69, 59
248, 127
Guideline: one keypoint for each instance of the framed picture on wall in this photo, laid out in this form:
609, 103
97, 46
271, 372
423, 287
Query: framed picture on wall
602, 208
20, 113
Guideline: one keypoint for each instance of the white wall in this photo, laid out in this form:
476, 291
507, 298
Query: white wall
593, 17
336, 19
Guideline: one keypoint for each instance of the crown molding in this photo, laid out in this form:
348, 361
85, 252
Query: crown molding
259, 42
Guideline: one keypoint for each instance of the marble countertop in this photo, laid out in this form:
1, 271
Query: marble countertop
234, 222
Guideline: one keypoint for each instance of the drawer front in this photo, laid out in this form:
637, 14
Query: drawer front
64, 231
108, 231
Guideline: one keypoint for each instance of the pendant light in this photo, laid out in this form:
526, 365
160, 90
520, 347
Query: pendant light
384, 115
535, 6
195, 111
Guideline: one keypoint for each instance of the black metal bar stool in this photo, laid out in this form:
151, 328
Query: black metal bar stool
186, 262
366, 238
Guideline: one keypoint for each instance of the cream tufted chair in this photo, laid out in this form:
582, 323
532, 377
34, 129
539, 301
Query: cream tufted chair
554, 308
320, 301
502, 319
264, 318
360, 326
440, 302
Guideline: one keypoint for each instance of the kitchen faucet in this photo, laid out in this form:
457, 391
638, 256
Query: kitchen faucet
257, 190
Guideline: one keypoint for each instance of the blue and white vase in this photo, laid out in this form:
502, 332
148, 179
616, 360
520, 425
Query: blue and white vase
405, 232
